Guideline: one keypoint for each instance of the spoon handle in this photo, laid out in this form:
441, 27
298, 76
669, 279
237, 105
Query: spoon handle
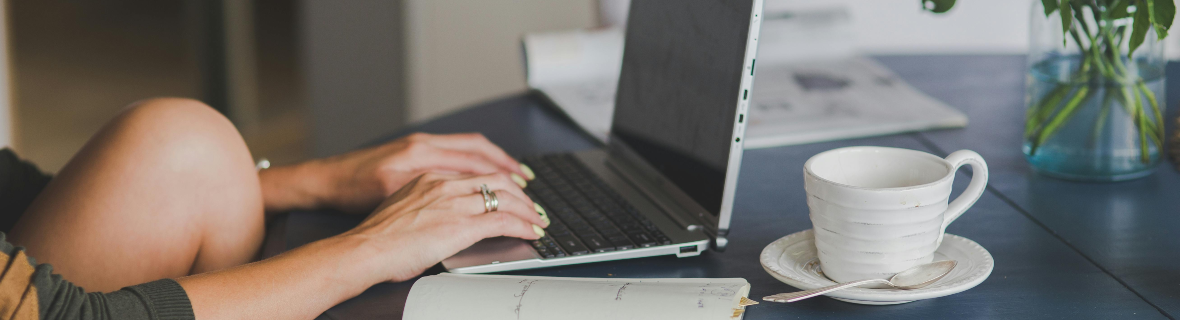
800, 295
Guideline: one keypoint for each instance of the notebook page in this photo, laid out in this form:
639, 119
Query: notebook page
496, 297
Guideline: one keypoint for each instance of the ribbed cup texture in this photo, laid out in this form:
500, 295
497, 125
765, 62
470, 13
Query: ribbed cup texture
855, 244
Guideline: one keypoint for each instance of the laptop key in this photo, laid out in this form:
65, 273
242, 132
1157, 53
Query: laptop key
603, 226
626, 223
620, 242
542, 249
643, 239
572, 245
633, 234
597, 243
552, 247
650, 226
612, 233
558, 231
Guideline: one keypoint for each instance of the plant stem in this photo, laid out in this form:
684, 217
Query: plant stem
1101, 123
1043, 109
1142, 139
1056, 122
1129, 107
1147, 130
1155, 106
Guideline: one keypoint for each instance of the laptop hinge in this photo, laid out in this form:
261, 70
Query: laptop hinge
719, 243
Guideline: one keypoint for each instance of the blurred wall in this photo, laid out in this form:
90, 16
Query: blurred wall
462, 52
373, 66
76, 64
354, 60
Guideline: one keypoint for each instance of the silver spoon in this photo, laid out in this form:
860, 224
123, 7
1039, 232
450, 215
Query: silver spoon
912, 278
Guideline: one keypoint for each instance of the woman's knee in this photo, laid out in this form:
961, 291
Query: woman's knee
178, 135
207, 156
184, 127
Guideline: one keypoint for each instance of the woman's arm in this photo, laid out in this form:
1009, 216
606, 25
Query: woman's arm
431, 218
299, 284
357, 181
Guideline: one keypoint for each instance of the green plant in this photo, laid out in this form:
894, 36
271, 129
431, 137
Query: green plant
1099, 28
938, 6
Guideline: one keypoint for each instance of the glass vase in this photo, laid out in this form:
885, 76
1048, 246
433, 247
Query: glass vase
1094, 113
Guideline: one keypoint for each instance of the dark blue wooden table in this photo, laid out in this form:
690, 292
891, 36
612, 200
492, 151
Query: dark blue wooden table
1062, 249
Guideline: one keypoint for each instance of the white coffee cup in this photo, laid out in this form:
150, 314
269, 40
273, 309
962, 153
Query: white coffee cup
877, 211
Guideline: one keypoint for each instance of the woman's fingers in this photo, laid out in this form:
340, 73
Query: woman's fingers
498, 182
525, 210
499, 223
528, 210
477, 144
437, 158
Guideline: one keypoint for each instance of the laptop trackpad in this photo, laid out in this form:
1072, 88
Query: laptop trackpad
492, 250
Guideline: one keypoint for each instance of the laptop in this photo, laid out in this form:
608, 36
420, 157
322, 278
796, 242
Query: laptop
664, 183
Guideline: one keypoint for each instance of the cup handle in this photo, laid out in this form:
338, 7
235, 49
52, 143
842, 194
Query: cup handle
974, 190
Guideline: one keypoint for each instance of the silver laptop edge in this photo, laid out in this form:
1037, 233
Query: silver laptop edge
689, 225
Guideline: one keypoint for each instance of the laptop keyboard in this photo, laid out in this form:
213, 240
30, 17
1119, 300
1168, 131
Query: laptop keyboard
585, 215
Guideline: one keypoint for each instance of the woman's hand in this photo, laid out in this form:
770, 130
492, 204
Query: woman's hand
357, 181
437, 215
432, 217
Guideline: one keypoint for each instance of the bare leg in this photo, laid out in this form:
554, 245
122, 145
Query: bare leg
166, 189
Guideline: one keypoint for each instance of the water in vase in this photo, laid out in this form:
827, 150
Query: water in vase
1093, 130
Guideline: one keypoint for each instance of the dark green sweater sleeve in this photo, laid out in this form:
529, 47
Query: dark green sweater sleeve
56, 298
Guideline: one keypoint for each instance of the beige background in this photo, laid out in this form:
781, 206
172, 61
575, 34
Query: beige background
462, 52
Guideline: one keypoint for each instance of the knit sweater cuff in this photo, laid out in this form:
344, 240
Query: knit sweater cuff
165, 298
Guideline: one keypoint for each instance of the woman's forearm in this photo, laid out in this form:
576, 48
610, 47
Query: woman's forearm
299, 284
301, 186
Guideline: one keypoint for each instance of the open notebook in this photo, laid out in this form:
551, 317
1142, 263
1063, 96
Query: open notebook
497, 297
810, 86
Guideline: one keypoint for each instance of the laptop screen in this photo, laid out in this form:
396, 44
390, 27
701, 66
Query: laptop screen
678, 90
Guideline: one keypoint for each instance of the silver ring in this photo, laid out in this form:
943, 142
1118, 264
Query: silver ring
487, 198
495, 201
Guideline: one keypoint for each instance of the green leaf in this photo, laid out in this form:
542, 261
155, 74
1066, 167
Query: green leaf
1162, 13
1066, 19
1119, 10
1050, 6
1140, 27
938, 6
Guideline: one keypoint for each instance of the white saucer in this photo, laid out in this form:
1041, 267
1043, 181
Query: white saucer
792, 260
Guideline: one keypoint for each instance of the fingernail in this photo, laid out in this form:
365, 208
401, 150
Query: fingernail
519, 181
528, 172
541, 211
540, 232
